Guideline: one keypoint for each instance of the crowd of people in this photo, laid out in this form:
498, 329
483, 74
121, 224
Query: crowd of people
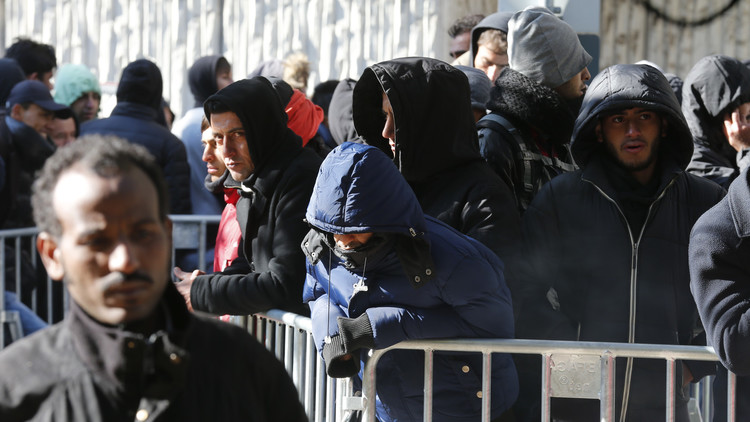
505, 195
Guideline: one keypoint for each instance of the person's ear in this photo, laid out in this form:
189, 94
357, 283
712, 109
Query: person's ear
48, 249
598, 132
16, 112
33, 77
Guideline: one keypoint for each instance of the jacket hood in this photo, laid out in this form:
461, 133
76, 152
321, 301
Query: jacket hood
303, 116
141, 83
259, 109
626, 86
359, 190
10, 74
202, 78
497, 21
714, 86
434, 124
340, 119
72, 81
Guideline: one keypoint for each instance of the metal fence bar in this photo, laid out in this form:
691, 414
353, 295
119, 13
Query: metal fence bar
607, 395
546, 380
731, 397
671, 364
428, 384
486, 387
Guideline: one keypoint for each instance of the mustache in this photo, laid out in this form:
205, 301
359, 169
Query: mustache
119, 277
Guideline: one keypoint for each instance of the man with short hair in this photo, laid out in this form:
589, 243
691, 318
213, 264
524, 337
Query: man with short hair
534, 103
606, 245
23, 132
206, 76
136, 118
78, 88
37, 60
128, 349
489, 44
380, 272
460, 34
716, 103
274, 176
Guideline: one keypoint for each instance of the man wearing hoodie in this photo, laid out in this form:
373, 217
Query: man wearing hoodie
716, 103
606, 246
206, 76
380, 272
418, 111
489, 44
137, 117
274, 176
534, 103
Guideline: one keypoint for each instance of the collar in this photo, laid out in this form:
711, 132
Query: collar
32, 147
596, 172
739, 204
133, 366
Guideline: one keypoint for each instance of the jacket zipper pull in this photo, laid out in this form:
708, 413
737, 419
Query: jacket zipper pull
360, 286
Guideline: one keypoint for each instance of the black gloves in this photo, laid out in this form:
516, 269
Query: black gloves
354, 334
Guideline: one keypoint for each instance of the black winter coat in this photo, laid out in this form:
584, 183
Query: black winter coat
137, 124
437, 150
720, 282
270, 271
714, 86
197, 370
611, 282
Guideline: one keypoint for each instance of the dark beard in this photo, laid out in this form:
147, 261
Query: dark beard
575, 105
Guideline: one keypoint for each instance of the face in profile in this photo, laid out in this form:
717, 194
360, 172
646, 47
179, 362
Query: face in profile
389, 129
211, 155
575, 87
62, 131
114, 250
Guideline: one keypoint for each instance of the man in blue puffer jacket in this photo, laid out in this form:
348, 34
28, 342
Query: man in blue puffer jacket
379, 272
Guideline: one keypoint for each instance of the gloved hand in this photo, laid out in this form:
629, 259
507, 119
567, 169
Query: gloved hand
339, 354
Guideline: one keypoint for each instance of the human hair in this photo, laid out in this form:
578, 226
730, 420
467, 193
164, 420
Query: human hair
32, 56
464, 24
204, 124
106, 156
495, 40
296, 70
213, 106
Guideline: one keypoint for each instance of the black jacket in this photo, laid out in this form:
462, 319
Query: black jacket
135, 119
612, 282
270, 271
195, 370
720, 282
436, 148
541, 118
715, 86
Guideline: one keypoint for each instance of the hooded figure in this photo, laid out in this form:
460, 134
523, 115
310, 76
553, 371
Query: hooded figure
11, 74
271, 268
135, 118
303, 116
202, 78
434, 146
607, 254
340, 116
715, 86
498, 21
415, 278
73, 81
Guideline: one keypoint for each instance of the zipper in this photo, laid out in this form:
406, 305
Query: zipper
634, 245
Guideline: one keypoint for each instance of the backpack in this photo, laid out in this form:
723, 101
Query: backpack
534, 168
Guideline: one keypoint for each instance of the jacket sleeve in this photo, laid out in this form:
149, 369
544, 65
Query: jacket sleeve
477, 304
713, 166
280, 286
497, 151
720, 284
177, 175
541, 315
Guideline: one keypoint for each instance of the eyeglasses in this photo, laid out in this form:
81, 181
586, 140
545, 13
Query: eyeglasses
457, 54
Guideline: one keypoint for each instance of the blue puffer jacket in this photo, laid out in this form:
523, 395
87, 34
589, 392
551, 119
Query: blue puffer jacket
433, 283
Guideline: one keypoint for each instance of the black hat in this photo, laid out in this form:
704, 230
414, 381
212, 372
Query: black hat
31, 91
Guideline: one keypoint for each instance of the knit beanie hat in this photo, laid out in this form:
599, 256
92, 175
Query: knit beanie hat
72, 81
479, 85
544, 48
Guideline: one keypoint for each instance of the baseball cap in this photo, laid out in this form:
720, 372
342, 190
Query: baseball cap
31, 91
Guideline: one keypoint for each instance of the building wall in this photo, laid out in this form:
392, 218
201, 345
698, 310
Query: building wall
341, 37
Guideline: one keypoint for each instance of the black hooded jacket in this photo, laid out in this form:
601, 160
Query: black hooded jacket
542, 123
340, 119
436, 148
611, 281
135, 119
714, 86
270, 271
202, 78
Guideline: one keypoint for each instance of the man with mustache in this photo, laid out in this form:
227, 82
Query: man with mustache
534, 103
606, 246
128, 349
